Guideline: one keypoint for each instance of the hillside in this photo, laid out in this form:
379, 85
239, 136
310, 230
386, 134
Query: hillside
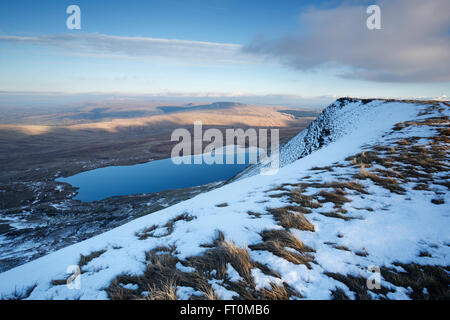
38, 215
365, 185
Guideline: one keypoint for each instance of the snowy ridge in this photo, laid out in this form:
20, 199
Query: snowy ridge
355, 202
338, 119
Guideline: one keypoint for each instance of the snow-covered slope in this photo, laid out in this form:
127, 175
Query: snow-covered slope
373, 193
340, 118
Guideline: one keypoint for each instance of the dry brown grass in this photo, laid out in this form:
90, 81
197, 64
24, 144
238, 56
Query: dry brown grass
287, 219
434, 278
443, 136
362, 253
150, 231
432, 121
182, 217
302, 200
352, 185
277, 292
286, 187
388, 183
208, 293
19, 294
388, 173
339, 294
276, 241
239, 259
304, 203
425, 254
299, 209
117, 292
337, 197
405, 161
399, 126
291, 216
166, 291
59, 282
254, 215
438, 201
216, 259
328, 168
287, 239
160, 278
343, 248
222, 205
421, 186
358, 285
219, 237
146, 232
336, 214
84, 260
365, 157
338, 247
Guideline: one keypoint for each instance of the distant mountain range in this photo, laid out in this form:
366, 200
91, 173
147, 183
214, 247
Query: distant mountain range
190, 107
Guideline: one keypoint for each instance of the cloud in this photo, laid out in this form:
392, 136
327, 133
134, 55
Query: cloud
137, 47
412, 46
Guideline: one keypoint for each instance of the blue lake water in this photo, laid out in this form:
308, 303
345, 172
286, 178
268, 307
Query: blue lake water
149, 177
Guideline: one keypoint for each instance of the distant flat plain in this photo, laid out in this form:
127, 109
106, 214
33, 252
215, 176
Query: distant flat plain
39, 215
43, 143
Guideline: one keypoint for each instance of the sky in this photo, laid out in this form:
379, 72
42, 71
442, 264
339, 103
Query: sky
286, 51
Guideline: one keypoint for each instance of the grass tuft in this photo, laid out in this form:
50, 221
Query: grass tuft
84, 260
288, 220
276, 241
435, 279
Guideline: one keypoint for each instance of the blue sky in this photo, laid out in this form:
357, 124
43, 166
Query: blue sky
233, 21
231, 48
